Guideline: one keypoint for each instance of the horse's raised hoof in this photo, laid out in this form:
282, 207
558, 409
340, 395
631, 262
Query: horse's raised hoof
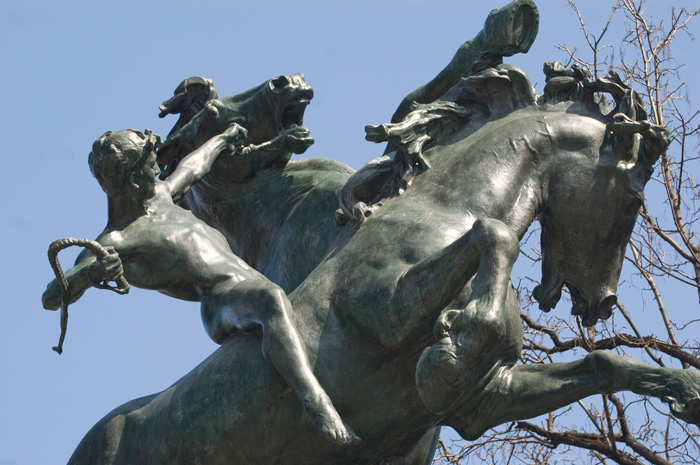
323, 417
685, 402
688, 412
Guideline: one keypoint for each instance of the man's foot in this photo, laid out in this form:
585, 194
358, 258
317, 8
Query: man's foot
320, 414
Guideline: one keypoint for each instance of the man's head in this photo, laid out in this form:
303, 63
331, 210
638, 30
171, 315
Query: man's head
119, 158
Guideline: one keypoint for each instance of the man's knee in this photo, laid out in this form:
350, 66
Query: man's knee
256, 301
264, 298
242, 306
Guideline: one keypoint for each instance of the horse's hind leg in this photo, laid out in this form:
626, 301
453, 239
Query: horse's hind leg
525, 391
101, 445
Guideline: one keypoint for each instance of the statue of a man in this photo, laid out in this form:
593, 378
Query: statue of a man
157, 245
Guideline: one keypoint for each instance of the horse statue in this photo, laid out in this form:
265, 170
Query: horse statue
409, 319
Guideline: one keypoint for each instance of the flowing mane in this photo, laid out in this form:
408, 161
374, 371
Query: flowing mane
473, 102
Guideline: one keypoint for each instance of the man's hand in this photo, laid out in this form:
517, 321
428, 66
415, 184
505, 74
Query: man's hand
235, 136
295, 139
107, 269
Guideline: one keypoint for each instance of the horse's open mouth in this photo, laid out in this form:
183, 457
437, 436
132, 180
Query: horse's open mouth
590, 312
579, 305
547, 297
294, 113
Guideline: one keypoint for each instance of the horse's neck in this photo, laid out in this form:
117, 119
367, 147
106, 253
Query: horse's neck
496, 171
244, 98
556, 145
278, 211
244, 211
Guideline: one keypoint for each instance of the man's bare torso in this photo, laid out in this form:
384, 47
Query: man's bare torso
170, 250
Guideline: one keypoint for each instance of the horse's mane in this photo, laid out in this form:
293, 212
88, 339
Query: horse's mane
494, 92
489, 95
475, 100
628, 117
576, 85
500, 91
504, 89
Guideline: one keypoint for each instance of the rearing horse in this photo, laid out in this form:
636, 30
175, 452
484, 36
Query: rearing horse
410, 321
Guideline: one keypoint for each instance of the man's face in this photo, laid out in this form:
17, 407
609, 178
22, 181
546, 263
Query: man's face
145, 175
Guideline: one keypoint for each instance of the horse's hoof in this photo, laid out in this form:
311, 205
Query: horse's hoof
691, 411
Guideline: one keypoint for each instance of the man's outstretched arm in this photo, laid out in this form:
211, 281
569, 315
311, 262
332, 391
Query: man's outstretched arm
194, 166
86, 272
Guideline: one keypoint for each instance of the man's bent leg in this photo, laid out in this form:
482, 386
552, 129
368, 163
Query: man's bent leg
231, 305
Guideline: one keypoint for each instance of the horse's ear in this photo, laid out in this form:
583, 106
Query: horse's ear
632, 105
637, 144
630, 118
655, 141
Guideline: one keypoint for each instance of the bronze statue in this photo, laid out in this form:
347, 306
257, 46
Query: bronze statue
407, 314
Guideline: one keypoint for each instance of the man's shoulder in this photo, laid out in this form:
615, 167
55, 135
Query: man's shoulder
111, 238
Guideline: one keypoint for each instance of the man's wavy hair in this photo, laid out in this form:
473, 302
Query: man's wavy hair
115, 154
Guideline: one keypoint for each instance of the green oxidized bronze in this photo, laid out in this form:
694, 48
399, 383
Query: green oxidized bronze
403, 310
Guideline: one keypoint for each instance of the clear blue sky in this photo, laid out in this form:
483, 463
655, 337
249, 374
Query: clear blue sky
72, 70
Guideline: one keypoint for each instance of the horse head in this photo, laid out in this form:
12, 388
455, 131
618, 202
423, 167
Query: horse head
592, 204
590, 168
264, 111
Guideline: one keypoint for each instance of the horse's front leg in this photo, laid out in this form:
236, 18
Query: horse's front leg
526, 391
474, 341
431, 285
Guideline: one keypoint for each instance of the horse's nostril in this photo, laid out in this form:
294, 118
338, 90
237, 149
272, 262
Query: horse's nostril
605, 307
